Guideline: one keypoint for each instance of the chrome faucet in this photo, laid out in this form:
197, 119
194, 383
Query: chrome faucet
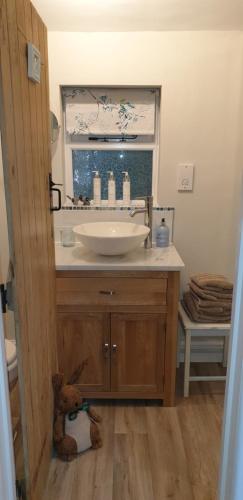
148, 217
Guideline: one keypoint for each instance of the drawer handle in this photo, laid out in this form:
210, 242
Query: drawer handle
107, 292
114, 348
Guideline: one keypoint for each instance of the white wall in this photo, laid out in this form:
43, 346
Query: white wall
201, 75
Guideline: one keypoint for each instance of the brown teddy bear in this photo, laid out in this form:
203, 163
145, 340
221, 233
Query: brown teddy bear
75, 427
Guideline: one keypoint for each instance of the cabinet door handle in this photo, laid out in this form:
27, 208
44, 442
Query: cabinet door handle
107, 292
114, 348
106, 350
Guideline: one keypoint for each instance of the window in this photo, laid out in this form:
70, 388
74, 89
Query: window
137, 163
111, 129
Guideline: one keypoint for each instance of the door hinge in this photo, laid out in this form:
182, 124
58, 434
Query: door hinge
4, 301
6, 292
20, 489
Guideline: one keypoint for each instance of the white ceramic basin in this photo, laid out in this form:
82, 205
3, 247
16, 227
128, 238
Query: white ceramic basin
111, 238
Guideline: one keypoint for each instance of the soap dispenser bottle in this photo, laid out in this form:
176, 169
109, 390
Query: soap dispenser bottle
96, 188
162, 235
111, 189
126, 189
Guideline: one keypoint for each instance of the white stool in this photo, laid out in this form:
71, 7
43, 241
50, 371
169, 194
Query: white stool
190, 329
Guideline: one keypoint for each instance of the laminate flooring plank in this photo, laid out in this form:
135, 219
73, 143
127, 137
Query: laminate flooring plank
103, 479
123, 475
61, 480
132, 479
141, 464
201, 431
84, 477
130, 418
170, 470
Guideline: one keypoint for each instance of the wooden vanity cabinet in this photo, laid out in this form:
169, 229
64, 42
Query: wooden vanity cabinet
122, 327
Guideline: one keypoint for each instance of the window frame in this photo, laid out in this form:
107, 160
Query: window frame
140, 145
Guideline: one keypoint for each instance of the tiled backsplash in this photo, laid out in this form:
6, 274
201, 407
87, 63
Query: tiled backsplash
72, 216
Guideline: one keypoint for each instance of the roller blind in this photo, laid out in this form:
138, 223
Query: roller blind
96, 111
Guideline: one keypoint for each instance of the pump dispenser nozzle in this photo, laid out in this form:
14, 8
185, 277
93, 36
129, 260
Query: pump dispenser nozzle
111, 175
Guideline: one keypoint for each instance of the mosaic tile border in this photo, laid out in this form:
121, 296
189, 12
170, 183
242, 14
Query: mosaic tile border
156, 209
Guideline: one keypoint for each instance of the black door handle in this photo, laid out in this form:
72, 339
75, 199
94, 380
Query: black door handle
51, 190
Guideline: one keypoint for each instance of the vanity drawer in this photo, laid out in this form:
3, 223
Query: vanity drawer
107, 291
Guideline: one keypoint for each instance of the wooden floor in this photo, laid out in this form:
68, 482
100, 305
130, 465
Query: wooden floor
150, 452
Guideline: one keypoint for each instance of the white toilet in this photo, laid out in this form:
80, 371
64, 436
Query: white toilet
11, 356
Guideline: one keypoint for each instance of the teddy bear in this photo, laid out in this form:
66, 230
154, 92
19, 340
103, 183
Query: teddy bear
75, 423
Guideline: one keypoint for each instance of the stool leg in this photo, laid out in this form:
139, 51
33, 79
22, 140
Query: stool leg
187, 363
225, 354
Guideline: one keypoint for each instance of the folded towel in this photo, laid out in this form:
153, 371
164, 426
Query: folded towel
209, 310
208, 304
214, 282
217, 289
219, 316
209, 295
203, 316
202, 320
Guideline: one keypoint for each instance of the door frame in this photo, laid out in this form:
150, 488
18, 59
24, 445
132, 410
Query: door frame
231, 478
7, 467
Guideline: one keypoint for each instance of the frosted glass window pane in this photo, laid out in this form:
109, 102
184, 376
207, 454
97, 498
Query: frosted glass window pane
137, 163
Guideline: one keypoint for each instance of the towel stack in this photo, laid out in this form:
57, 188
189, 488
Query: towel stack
209, 299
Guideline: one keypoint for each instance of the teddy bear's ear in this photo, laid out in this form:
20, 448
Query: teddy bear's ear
75, 376
57, 382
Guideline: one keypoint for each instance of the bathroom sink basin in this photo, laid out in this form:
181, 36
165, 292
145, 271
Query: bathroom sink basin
111, 238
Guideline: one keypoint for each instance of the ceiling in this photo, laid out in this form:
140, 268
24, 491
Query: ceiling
140, 15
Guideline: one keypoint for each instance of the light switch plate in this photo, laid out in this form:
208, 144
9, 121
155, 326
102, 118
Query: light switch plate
185, 175
34, 63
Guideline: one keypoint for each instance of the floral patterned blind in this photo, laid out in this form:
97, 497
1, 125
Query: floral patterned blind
96, 111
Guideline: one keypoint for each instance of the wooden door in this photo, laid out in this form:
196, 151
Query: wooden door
84, 339
137, 352
24, 118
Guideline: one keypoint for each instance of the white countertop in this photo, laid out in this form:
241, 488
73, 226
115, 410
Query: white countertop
78, 258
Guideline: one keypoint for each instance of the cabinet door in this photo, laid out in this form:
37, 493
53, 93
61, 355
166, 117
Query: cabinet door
137, 352
85, 338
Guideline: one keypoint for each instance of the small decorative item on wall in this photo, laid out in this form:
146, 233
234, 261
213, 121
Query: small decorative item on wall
34, 63
109, 111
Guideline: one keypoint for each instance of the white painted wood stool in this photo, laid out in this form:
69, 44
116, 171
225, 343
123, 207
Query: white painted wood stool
190, 329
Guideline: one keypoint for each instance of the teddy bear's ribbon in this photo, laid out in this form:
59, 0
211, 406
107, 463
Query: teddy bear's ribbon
73, 414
